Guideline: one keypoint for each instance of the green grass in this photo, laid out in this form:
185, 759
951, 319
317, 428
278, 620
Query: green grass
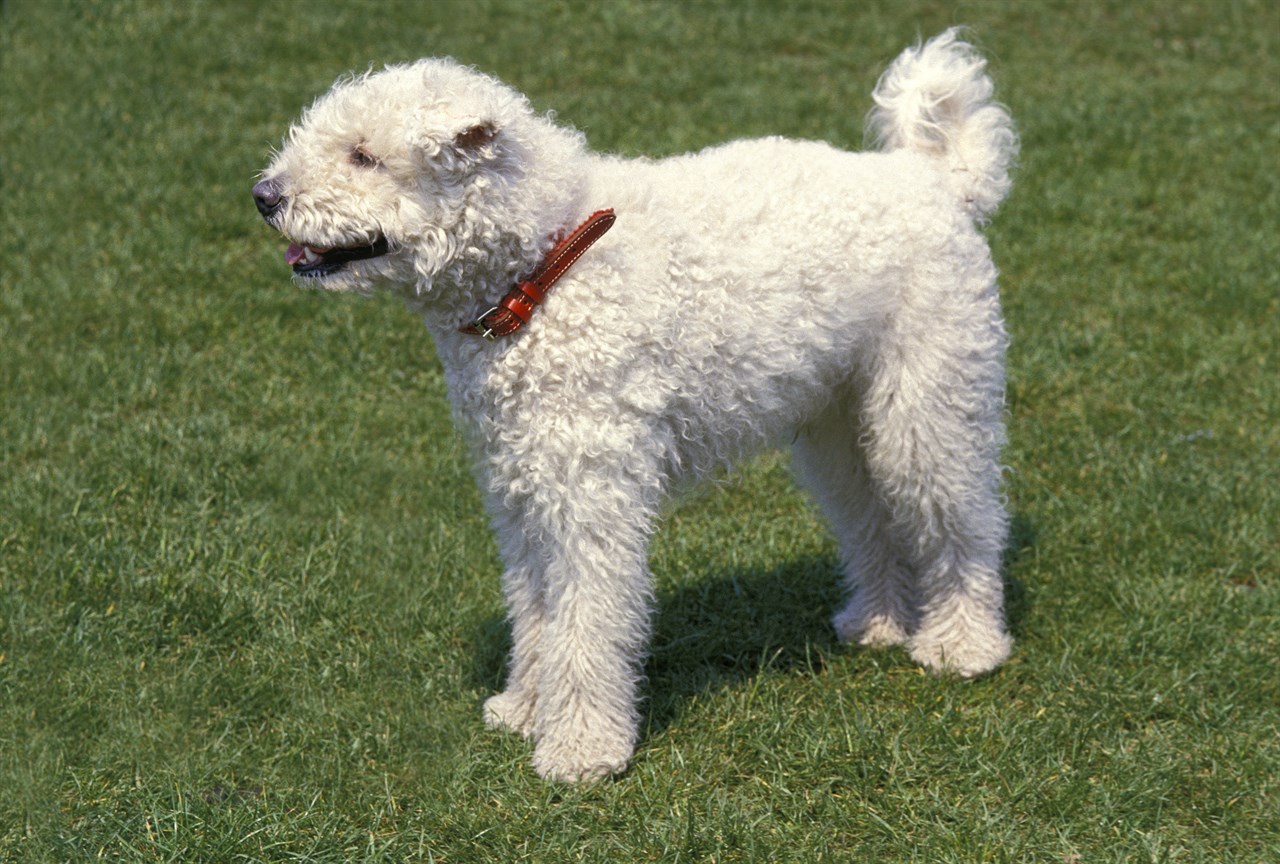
248, 601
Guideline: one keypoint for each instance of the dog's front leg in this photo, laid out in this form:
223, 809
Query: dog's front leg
514, 707
522, 586
597, 596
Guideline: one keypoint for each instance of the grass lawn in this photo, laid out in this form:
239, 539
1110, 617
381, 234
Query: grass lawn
249, 604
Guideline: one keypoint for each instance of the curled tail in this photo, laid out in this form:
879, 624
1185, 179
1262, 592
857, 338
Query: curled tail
936, 99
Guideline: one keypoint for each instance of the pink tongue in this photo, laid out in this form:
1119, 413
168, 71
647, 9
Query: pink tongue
297, 253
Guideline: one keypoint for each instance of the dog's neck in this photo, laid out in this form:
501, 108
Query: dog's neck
479, 279
517, 306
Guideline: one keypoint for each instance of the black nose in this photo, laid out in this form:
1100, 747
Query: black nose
266, 194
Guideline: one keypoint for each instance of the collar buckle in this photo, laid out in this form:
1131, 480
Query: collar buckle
479, 328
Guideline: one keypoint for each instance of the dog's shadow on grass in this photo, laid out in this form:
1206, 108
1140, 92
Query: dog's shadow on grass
715, 633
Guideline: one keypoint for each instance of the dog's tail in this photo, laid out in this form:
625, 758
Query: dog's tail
937, 99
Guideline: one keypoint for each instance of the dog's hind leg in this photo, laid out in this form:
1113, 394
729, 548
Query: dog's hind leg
881, 608
934, 430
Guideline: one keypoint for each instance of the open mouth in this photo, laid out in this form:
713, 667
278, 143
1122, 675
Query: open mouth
314, 261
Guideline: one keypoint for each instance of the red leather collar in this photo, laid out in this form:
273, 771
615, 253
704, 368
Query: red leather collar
513, 310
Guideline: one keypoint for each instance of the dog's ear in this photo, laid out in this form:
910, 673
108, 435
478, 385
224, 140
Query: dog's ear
475, 139
462, 149
474, 144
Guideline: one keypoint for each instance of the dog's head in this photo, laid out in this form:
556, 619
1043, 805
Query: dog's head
409, 175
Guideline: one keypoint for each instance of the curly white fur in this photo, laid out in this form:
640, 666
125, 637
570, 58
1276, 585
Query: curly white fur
761, 291
936, 99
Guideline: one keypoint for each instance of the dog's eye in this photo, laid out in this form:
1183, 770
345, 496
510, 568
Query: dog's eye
361, 156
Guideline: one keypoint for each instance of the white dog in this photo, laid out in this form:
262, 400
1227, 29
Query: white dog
761, 291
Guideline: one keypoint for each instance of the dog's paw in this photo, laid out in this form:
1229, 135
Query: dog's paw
880, 624
966, 651
578, 761
853, 626
510, 711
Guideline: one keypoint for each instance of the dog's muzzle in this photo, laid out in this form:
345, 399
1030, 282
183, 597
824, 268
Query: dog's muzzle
306, 259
